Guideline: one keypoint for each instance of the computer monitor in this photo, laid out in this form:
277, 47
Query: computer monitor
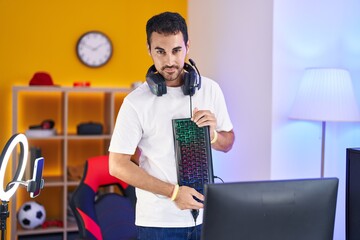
280, 209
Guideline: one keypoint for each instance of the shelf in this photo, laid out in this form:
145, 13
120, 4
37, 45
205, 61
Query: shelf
67, 107
53, 181
56, 137
88, 137
45, 89
37, 231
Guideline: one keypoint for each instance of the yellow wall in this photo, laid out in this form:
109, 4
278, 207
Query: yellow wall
40, 35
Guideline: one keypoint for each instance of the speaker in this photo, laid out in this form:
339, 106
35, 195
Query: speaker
157, 82
352, 193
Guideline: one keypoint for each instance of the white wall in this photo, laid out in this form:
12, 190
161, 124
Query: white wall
311, 33
257, 51
231, 42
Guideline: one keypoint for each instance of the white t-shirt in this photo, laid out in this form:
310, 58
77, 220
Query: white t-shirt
145, 121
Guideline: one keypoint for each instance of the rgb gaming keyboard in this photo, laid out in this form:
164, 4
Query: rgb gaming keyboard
193, 154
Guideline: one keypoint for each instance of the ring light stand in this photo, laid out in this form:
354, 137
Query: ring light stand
12, 186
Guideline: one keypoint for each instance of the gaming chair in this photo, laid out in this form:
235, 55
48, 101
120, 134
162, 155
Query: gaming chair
103, 217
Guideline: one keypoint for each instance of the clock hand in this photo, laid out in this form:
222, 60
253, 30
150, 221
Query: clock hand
89, 47
95, 48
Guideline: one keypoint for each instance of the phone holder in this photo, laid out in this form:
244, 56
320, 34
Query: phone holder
31, 185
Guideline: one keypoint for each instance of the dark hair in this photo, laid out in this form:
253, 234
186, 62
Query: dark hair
166, 23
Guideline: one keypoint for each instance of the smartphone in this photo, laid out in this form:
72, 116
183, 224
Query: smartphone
37, 181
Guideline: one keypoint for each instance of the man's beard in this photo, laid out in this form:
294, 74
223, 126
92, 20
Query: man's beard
173, 76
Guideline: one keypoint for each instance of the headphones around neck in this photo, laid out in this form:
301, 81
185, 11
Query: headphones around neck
157, 82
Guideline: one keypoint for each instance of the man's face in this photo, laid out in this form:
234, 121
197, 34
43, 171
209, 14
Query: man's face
168, 53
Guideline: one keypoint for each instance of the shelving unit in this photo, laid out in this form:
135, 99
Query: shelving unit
68, 107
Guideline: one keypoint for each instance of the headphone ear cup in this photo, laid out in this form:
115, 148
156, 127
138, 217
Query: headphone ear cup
189, 80
156, 82
186, 87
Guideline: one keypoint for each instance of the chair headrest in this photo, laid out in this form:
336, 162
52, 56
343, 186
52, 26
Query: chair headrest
97, 173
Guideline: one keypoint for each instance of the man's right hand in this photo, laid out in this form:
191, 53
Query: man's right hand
185, 198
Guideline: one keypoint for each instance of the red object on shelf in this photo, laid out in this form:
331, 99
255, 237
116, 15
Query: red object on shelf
54, 223
41, 79
81, 84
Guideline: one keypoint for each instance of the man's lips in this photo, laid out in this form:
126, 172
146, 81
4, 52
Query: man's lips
170, 70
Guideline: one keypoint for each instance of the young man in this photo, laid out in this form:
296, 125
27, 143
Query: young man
163, 209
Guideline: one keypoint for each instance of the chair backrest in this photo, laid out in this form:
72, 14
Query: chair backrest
106, 217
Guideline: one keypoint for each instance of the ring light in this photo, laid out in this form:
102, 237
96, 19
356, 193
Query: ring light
4, 159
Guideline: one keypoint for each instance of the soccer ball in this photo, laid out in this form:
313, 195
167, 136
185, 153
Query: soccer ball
31, 215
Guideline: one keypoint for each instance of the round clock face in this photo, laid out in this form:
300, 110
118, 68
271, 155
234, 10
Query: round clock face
94, 49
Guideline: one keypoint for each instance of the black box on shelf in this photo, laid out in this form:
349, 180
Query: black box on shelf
89, 128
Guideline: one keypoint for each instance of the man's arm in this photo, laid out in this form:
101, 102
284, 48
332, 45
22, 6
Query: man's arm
224, 140
121, 166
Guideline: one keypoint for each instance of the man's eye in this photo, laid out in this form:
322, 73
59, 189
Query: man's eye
176, 51
160, 52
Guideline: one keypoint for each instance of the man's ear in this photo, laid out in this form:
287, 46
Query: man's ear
148, 48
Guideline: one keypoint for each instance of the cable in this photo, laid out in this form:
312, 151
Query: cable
219, 178
190, 107
195, 214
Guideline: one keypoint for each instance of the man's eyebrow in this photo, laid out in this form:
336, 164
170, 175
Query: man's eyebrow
174, 49
159, 48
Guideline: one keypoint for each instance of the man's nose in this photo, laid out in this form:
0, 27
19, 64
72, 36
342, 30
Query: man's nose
170, 59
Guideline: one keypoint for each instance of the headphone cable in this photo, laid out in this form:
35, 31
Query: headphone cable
190, 106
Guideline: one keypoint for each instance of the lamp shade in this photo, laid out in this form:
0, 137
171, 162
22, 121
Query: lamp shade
326, 94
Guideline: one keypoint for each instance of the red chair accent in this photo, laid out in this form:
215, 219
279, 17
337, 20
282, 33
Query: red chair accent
109, 216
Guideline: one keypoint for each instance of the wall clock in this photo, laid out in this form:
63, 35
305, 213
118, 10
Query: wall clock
94, 49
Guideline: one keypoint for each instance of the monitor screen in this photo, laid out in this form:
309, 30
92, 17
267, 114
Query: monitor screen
272, 210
